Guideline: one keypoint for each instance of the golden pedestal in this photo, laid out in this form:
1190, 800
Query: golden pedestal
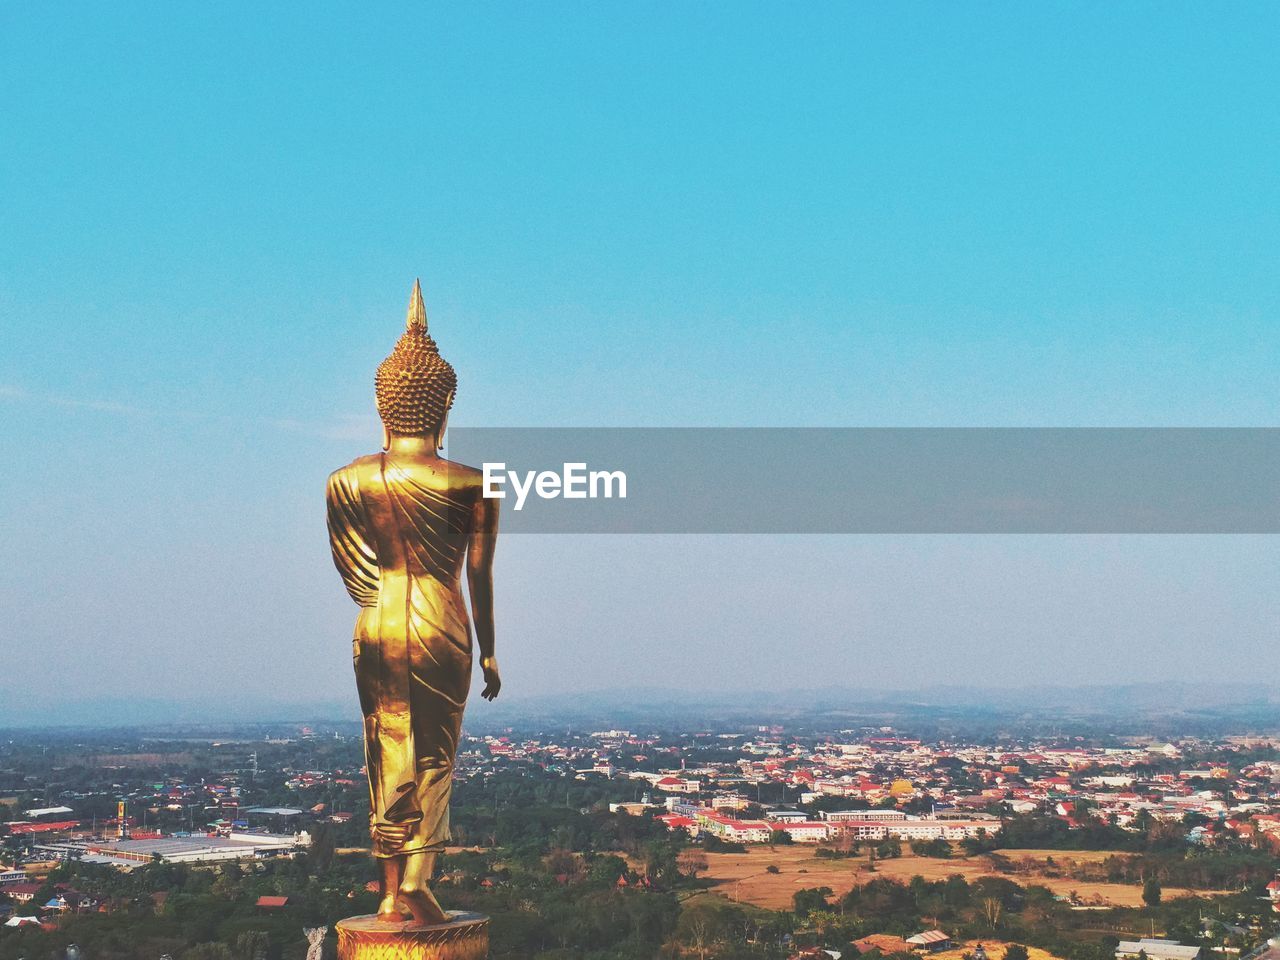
464, 937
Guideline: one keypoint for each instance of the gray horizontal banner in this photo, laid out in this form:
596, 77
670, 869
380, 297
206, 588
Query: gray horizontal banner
912, 480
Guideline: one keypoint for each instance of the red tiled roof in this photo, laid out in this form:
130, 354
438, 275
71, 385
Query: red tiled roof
20, 828
883, 942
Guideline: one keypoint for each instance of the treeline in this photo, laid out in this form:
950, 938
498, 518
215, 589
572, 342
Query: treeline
567, 904
201, 913
1034, 832
1192, 867
995, 908
531, 813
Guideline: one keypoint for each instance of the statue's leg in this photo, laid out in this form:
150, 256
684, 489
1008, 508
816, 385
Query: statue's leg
440, 677
392, 877
415, 888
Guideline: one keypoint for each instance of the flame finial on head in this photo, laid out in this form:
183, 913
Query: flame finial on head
414, 386
417, 313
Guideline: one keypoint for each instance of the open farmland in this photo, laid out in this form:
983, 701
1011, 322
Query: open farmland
745, 877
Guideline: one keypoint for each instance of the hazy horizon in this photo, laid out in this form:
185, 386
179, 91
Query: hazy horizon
1131, 709
622, 217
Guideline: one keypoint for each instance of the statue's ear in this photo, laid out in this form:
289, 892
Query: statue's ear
444, 420
386, 438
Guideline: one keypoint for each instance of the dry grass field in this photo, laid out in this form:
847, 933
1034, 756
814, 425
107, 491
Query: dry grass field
744, 876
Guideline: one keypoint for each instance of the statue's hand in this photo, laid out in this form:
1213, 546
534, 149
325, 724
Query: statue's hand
492, 681
391, 835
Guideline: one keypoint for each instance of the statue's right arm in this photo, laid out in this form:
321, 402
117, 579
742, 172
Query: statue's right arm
352, 552
484, 539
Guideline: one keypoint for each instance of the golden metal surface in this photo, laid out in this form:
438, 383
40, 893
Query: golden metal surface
402, 525
463, 936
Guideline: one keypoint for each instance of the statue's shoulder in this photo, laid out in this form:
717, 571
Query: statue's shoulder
463, 476
360, 467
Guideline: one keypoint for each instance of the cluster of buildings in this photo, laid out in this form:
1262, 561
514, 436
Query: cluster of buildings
158, 816
127, 854
748, 787
48, 836
854, 825
759, 785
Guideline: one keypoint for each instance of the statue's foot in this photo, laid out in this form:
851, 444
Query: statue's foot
423, 905
390, 912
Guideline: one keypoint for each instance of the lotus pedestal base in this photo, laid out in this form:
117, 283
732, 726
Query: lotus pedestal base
464, 937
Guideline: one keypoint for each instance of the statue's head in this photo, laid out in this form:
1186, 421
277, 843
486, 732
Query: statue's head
415, 385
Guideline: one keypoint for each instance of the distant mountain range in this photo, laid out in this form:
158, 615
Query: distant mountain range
1149, 708
1157, 709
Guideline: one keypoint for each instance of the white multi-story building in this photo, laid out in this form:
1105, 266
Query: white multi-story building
809, 831
880, 816
861, 829
727, 828
908, 829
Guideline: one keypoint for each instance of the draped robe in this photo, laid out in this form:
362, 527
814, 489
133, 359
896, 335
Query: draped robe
399, 535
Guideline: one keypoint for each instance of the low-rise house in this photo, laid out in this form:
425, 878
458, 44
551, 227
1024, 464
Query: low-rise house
930, 941
676, 822
22, 892
883, 942
1156, 950
787, 816
677, 785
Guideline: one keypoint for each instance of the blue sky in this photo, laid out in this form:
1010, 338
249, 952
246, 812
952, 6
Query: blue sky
640, 214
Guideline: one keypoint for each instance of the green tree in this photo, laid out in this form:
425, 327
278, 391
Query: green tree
702, 926
890, 848
810, 899
1151, 892
323, 844
607, 869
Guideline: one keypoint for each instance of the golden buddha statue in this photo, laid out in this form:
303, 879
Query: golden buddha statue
402, 524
